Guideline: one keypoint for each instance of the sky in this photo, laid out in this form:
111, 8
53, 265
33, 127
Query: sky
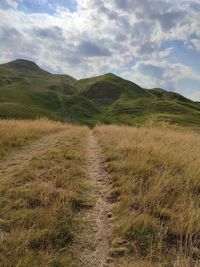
154, 43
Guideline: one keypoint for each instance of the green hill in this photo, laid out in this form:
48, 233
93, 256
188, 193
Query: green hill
27, 91
22, 67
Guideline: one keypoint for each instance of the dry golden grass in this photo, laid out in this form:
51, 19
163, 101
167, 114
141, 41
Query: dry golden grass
155, 191
155, 180
17, 133
40, 205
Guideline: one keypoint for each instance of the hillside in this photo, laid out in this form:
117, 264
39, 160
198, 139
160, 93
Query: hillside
27, 91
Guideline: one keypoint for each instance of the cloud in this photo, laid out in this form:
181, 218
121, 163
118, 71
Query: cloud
151, 70
130, 4
45, 6
91, 49
195, 96
170, 19
9, 4
195, 6
153, 43
15, 45
53, 33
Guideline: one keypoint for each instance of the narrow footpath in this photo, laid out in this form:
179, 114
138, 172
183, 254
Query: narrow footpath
97, 218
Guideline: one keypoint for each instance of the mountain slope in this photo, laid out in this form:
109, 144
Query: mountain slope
27, 91
108, 88
22, 67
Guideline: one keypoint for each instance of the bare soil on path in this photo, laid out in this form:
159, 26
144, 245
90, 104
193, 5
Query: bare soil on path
96, 252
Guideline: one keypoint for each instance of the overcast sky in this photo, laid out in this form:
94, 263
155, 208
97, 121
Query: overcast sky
155, 43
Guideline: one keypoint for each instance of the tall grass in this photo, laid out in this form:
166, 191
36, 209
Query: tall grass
155, 189
40, 205
17, 133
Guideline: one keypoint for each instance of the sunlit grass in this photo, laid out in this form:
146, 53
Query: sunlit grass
39, 205
17, 133
155, 179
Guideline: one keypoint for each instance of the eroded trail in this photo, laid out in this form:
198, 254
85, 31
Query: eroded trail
95, 239
98, 217
18, 159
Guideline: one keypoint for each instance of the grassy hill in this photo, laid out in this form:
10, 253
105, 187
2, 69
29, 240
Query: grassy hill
27, 91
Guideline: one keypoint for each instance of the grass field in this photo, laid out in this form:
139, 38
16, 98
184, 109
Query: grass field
51, 205
40, 202
155, 179
15, 134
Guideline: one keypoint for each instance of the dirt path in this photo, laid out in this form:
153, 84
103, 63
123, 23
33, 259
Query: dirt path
97, 219
18, 159
95, 252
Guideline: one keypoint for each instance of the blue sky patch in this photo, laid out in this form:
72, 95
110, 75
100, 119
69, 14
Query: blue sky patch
46, 6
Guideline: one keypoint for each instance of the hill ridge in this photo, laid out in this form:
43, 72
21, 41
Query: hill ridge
28, 91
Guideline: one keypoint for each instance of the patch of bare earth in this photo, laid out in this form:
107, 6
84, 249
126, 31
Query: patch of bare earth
96, 250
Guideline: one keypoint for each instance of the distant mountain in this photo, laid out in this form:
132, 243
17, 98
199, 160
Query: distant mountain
27, 91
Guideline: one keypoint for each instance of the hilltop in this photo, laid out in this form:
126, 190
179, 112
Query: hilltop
27, 91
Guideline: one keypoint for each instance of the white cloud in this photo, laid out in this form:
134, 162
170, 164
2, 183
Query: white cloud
122, 36
10, 3
195, 96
